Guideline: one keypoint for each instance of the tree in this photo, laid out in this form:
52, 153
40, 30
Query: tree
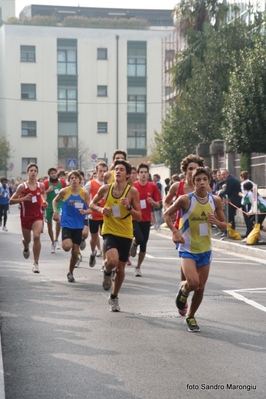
244, 125
175, 141
4, 153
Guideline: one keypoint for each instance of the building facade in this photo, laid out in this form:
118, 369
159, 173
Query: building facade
71, 96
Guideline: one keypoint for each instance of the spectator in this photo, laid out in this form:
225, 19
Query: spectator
232, 190
167, 185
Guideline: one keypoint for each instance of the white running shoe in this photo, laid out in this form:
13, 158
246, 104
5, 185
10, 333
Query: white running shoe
5, 228
114, 305
137, 272
57, 245
35, 268
99, 253
53, 248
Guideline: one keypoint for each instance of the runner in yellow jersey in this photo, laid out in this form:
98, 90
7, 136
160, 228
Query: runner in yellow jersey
199, 210
121, 204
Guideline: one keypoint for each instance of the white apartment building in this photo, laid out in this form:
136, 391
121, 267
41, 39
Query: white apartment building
71, 96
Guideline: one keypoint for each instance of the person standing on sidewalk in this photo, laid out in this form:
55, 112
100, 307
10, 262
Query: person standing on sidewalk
199, 210
31, 197
149, 196
52, 187
4, 202
75, 205
121, 204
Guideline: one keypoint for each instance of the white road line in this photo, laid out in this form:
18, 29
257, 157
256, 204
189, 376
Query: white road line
248, 301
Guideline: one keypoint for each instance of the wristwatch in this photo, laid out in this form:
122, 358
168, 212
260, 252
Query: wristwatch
130, 208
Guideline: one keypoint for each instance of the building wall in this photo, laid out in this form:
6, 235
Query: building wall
90, 73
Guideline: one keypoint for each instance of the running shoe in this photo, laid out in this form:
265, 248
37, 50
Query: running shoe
137, 272
181, 299
53, 248
192, 324
92, 260
5, 228
184, 311
133, 249
114, 305
107, 281
26, 253
70, 278
79, 257
82, 245
77, 263
129, 262
35, 268
57, 245
99, 253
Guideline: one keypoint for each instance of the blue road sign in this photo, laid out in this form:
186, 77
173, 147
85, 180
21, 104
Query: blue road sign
72, 163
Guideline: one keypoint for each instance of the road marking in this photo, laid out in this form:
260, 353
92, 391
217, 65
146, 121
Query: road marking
250, 302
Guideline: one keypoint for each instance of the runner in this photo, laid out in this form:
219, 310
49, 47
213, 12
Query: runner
199, 210
121, 204
30, 195
52, 187
75, 203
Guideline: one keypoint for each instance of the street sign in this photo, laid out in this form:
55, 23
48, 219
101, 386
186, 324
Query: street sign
71, 163
11, 166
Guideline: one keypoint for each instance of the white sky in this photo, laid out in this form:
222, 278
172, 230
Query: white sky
148, 4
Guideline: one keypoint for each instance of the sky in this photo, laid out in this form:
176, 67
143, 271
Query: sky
148, 4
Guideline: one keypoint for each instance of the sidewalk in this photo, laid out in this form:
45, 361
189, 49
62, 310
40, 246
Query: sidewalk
230, 245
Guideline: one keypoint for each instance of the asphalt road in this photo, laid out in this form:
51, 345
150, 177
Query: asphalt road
59, 340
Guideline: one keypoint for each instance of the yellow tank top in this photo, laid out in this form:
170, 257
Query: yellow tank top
194, 227
119, 221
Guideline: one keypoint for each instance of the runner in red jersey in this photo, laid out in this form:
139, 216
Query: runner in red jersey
31, 197
149, 196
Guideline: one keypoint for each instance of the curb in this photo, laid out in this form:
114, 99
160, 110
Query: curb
253, 251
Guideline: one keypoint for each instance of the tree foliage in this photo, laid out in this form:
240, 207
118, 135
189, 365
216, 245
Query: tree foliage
244, 125
5, 150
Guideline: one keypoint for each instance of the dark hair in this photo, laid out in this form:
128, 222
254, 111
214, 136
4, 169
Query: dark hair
32, 164
125, 163
189, 159
167, 180
247, 186
51, 170
3, 178
143, 165
156, 175
200, 170
75, 173
119, 152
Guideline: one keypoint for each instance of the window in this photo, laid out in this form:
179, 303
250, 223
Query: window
28, 129
136, 66
136, 135
102, 91
67, 100
67, 141
28, 91
26, 162
102, 127
27, 54
136, 104
66, 62
101, 53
